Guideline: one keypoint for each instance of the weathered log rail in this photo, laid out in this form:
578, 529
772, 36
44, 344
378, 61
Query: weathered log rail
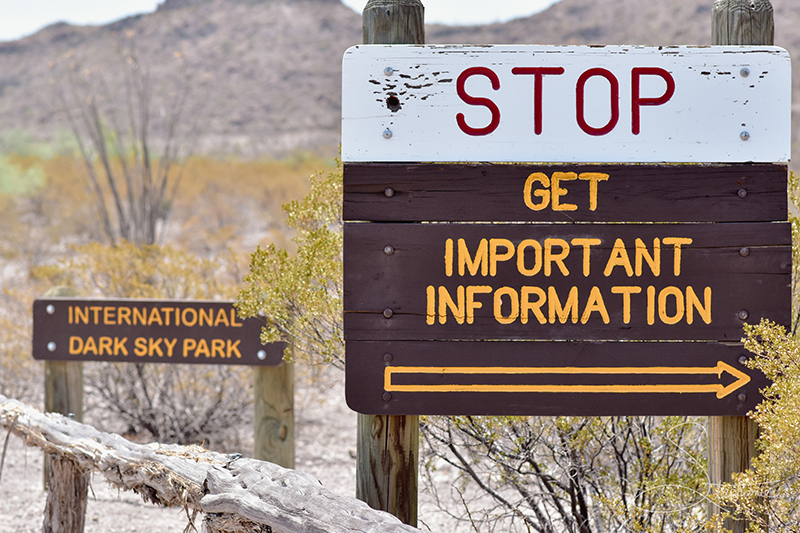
235, 494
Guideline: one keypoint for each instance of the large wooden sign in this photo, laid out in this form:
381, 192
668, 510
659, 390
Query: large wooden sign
562, 230
148, 331
566, 103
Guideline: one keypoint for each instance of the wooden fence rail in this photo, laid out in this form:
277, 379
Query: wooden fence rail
235, 494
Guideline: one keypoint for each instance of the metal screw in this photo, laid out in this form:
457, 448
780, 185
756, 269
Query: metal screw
387, 396
387, 133
742, 192
742, 359
743, 136
389, 71
388, 249
387, 357
70, 415
744, 251
51, 346
50, 309
745, 72
743, 314
742, 397
262, 354
388, 192
388, 313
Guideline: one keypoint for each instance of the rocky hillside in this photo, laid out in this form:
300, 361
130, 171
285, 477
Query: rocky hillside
264, 75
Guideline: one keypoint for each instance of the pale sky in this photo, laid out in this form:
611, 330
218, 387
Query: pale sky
19, 18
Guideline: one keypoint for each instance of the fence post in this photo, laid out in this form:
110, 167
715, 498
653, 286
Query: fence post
274, 414
731, 439
387, 467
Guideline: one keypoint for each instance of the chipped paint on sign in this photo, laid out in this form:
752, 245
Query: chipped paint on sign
566, 103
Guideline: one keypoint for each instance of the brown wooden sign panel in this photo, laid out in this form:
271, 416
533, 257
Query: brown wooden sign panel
564, 193
564, 281
550, 378
149, 331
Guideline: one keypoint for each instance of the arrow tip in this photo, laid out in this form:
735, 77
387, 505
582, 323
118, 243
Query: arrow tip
742, 379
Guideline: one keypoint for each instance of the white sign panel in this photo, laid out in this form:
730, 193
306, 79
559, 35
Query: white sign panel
600, 104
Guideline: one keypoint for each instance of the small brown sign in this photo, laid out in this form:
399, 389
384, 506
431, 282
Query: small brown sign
392, 192
149, 331
564, 281
550, 378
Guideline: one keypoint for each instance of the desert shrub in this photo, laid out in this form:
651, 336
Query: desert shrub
573, 474
169, 403
237, 203
768, 493
300, 295
18, 370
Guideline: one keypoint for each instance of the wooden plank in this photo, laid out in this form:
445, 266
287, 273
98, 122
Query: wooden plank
394, 271
537, 103
520, 368
149, 331
395, 192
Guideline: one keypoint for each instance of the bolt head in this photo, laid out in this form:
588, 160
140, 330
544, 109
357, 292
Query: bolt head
742, 193
261, 355
387, 357
744, 135
743, 314
387, 396
389, 71
50, 309
388, 192
387, 133
744, 251
744, 72
742, 359
51, 346
742, 397
388, 249
388, 313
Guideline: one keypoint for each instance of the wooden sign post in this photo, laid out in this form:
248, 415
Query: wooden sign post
562, 230
388, 445
731, 439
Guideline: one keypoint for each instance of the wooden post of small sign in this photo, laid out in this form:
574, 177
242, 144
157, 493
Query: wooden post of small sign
274, 414
731, 439
388, 446
67, 485
63, 382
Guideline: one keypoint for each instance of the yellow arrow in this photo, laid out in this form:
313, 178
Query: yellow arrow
720, 390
